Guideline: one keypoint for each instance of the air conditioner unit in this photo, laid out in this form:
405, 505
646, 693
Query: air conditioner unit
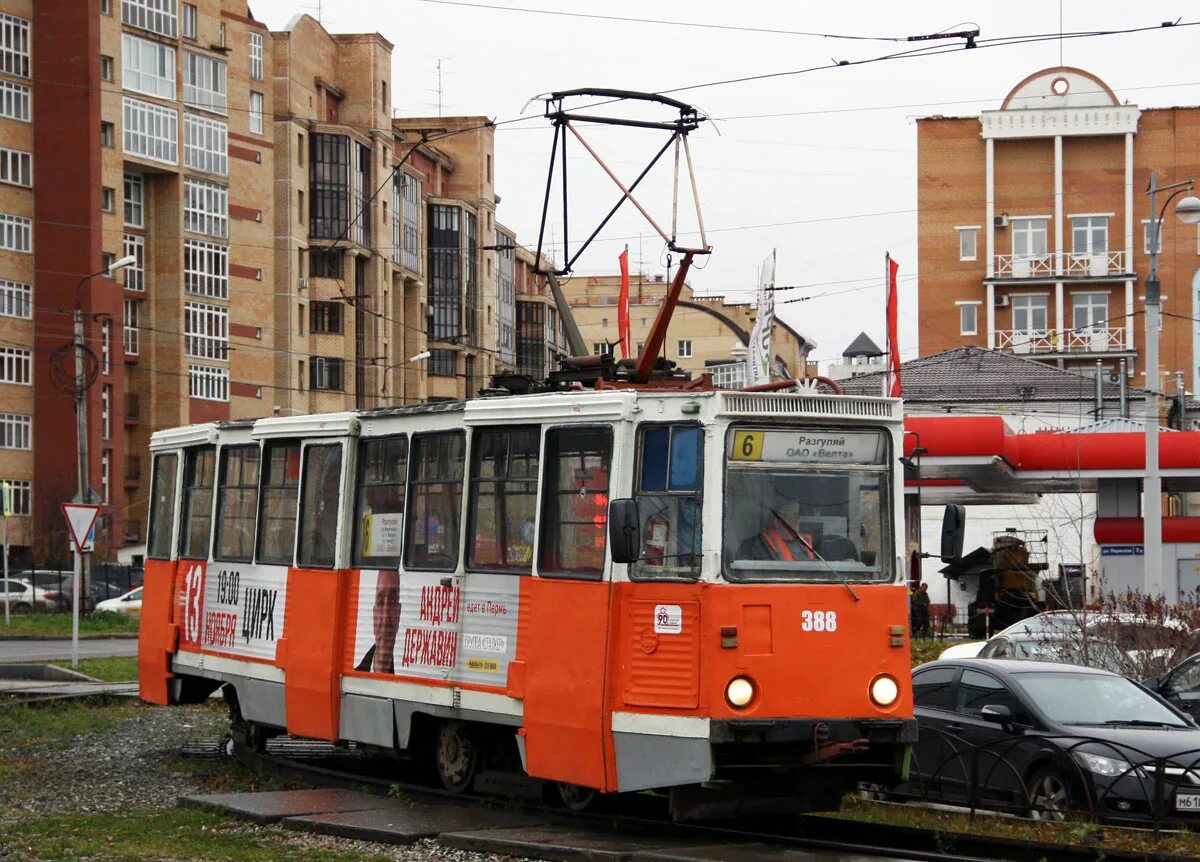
1000, 220
999, 301
1113, 377
302, 284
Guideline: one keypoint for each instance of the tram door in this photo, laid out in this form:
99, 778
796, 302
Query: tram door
566, 725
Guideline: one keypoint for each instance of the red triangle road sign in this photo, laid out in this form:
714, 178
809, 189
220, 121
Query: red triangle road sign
80, 518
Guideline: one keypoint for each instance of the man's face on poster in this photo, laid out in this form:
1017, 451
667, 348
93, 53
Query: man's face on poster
386, 616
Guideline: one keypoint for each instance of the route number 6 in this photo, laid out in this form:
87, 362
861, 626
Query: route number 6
818, 621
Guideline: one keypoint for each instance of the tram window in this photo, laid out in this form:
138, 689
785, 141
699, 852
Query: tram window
280, 489
503, 507
197, 502
162, 506
319, 505
670, 470
379, 521
436, 471
237, 503
575, 502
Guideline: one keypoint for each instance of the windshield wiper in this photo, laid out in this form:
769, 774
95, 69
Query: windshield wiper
1138, 722
808, 546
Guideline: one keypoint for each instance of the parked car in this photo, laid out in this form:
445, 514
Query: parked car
1180, 686
1065, 649
47, 586
20, 596
1047, 739
130, 603
1121, 629
1047, 623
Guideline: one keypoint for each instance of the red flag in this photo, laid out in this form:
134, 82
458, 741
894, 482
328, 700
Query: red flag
623, 305
893, 344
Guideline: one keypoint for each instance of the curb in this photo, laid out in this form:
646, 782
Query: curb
115, 636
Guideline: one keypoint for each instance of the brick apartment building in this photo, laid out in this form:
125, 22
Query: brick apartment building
1033, 228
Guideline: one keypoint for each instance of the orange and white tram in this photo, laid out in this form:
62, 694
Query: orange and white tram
613, 590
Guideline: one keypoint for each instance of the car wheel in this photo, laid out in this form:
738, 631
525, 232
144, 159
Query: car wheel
1049, 794
21, 608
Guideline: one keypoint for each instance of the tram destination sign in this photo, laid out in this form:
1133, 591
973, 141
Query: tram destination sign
808, 446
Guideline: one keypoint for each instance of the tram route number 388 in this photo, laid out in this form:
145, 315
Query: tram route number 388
818, 621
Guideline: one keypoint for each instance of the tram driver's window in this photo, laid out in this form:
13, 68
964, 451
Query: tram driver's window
669, 495
319, 505
575, 502
197, 502
379, 518
435, 502
280, 493
162, 506
237, 503
503, 507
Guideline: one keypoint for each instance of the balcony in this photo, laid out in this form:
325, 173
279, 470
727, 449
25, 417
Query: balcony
1104, 264
133, 409
1023, 341
133, 471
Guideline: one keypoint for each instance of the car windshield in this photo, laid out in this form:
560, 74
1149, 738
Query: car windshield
1095, 699
1088, 652
1044, 624
807, 505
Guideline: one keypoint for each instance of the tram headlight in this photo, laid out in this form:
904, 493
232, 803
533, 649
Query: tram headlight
884, 690
739, 692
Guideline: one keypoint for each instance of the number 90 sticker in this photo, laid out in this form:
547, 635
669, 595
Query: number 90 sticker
818, 621
747, 446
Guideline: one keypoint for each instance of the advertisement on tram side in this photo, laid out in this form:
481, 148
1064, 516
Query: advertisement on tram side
231, 608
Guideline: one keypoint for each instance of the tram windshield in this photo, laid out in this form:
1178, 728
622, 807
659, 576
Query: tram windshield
807, 505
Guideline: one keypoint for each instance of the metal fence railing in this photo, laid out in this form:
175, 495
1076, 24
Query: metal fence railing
54, 586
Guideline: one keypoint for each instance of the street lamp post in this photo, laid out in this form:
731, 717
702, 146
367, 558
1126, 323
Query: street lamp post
1188, 211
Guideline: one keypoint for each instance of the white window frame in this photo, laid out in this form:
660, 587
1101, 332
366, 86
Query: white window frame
22, 496
157, 16
206, 330
16, 233
1146, 232
1090, 224
205, 144
131, 334
14, 101
16, 167
16, 299
105, 475
16, 366
108, 134
135, 274
151, 131
135, 200
256, 56
14, 45
106, 396
1028, 227
602, 348
964, 231
322, 373
684, 346
108, 199
189, 21
963, 329
106, 346
208, 382
205, 82
1028, 304
1092, 301
16, 431
256, 113
147, 67
206, 207
206, 269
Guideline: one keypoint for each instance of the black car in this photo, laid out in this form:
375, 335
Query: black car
1045, 739
1181, 686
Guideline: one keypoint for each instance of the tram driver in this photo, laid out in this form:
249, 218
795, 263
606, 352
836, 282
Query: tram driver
794, 518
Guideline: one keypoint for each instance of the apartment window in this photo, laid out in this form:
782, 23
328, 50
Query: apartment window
106, 346
107, 259
1029, 313
329, 185
1089, 234
300, 206
1029, 237
108, 199
16, 431
151, 131
135, 273
135, 206
106, 68
204, 82
397, 227
107, 133
105, 7
325, 317
206, 330
221, 33
685, 348
106, 393
410, 188
206, 269
105, 475
205, 208
190, 18
209, 383
325, 263
967, 242
147, 67
441, 363
132, 334
360, 230
445, 272
157, 16
16, 233
205, 144
326, 373
300, 315
256, 113
968, 318
16, 299
300, 149
16, 167
16, 365
14, 101
256, 56
22, 496
601, 348
14, 46
1089, 311
1148, 237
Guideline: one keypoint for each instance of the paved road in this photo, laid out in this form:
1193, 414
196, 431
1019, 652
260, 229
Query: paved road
13, 650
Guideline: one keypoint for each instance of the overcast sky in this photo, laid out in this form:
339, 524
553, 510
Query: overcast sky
828, 179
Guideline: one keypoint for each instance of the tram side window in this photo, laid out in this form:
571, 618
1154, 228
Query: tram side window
280, 492
575, 502
669, 498
503, 507
319, 505
379, 521
436, 479
237, 503
162, 506
197, 502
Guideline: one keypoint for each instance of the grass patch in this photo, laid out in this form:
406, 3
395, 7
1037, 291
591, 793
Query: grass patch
170, 834
118, 669
927, 649
57, 722
59, 624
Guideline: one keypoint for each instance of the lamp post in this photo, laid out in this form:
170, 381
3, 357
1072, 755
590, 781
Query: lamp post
1188, 211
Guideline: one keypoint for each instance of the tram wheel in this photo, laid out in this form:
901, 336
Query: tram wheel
457, 756
575, 797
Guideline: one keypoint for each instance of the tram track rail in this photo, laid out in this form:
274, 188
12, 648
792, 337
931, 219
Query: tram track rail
322, 765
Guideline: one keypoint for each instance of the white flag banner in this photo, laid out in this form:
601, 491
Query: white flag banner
759, 358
